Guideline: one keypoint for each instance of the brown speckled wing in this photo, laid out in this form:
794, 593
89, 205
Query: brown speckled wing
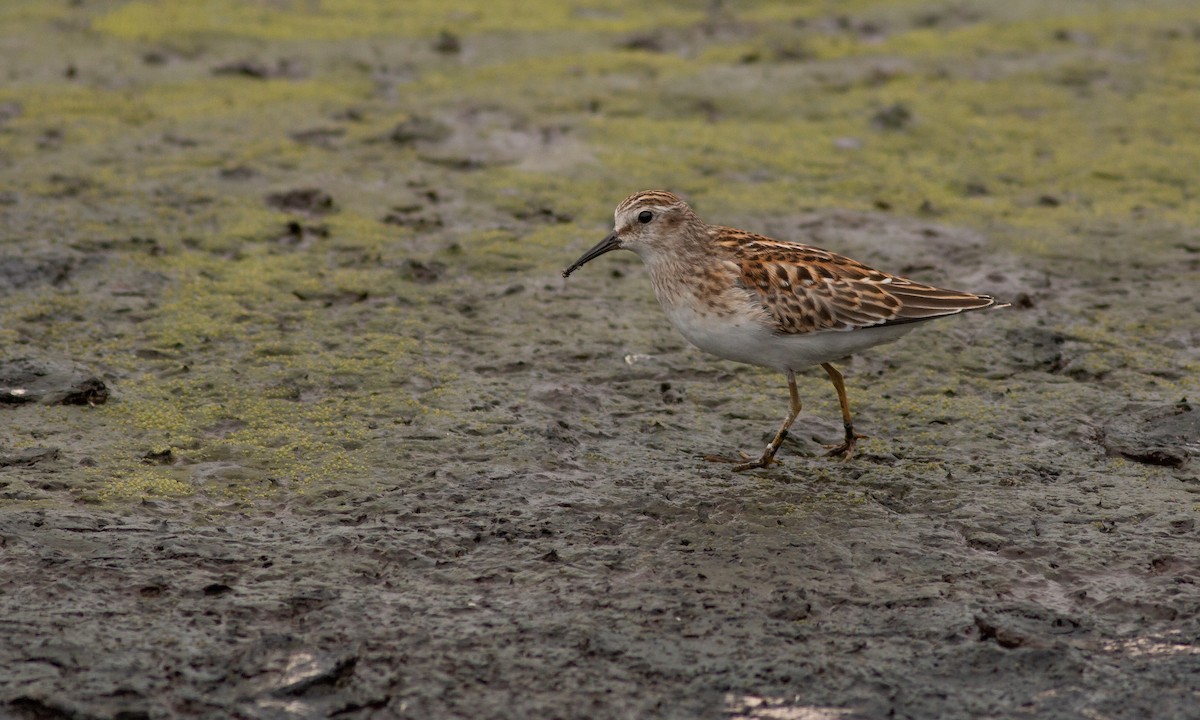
807, 289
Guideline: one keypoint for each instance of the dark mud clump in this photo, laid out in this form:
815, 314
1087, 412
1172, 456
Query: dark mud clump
50, 382
311, 201
1167, 436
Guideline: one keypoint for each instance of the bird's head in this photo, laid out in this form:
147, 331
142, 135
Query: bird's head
647, 222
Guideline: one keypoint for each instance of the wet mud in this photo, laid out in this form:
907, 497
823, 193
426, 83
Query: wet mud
298, 418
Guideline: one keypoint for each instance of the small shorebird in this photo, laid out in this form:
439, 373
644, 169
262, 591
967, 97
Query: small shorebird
782, 305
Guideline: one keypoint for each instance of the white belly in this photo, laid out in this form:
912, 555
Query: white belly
742, 338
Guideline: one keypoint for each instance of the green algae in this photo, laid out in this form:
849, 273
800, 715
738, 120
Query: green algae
286, 356
342, 19
251, 411
323, 420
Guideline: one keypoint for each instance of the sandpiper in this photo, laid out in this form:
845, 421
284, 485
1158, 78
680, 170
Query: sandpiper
766, 302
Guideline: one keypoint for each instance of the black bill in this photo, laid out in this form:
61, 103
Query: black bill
607, 244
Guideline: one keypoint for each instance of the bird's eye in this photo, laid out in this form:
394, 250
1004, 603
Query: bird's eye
645, 216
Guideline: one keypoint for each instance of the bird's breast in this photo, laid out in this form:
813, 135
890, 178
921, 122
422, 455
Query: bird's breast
714, 314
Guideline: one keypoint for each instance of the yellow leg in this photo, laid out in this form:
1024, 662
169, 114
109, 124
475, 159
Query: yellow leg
768, 455
846, 449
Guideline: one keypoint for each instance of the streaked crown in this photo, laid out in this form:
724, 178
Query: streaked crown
648, 199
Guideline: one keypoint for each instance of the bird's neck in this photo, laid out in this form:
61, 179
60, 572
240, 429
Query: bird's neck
673, 266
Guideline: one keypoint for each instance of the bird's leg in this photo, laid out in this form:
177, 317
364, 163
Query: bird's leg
768, 455
846, 449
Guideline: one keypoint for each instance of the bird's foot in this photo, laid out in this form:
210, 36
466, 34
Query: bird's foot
762, 462
845, 450
744, 462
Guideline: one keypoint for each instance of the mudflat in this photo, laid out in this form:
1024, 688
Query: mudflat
298, 418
